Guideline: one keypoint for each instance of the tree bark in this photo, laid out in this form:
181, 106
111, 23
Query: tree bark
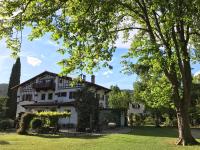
184, 131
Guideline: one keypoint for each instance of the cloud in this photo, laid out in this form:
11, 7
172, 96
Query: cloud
197, 73
107, 73
33, 61
53, 43
120, 41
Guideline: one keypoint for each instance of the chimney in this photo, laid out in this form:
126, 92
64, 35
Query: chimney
93, 78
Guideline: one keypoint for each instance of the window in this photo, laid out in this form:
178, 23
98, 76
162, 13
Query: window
27, 97
68, 110
50, 96
63, 94
98, 96
71, 95
135, 106
60, 80
43, 96
58, 94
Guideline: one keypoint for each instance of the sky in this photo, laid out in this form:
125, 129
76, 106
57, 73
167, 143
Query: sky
40, 55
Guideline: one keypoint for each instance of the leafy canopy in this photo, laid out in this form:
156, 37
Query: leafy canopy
118, 98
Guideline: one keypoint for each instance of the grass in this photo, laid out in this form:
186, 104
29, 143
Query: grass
143, 138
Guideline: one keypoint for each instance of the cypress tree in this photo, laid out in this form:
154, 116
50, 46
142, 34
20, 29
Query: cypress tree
12, 93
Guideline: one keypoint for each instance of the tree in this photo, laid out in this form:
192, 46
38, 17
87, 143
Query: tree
11, 103
119, 99
87, 106
2, 106
167, 34
195, 103
155, 95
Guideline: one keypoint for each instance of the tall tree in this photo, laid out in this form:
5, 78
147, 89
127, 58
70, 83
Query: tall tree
11, 103
167, 33
118, 98
87, 106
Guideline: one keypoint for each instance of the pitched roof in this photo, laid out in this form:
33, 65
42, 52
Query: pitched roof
65, 77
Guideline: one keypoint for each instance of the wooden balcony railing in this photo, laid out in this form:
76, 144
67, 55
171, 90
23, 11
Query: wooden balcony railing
50, 85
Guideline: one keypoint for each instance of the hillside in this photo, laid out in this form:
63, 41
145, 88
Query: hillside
3, 89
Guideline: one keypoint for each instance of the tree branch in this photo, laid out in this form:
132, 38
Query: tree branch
130, 28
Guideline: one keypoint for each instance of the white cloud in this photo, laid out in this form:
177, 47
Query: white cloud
53, 43
107, 73
33, 61
197, 73
120, 41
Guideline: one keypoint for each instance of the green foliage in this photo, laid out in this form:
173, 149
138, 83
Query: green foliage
53, 116
11, 103
36, 123
118, 98
25, 122
87, 106
6, 124
167, 37
136, 120
3, 101
154, 91
149, 120
49, 118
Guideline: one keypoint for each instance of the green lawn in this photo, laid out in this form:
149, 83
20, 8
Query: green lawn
143, 138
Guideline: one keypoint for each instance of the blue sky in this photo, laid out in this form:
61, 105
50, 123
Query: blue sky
40, 55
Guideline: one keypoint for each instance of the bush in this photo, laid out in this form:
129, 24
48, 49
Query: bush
131, 119
44, 130
36, 123
149, 120
139, 120
6, 124
24, 122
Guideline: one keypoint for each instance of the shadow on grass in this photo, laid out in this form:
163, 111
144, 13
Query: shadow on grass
4, 142
153, 131
55, 136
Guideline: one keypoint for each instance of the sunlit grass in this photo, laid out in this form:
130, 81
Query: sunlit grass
144, 138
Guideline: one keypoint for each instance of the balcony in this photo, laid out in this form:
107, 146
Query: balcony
44, 85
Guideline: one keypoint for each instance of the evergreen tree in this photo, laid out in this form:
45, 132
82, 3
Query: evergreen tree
11, 103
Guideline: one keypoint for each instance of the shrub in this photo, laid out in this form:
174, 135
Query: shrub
139, 120
131, 119
36, 123
6, 124
149, 120
44, 130
24, 122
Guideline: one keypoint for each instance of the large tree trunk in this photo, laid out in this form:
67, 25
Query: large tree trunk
184, 131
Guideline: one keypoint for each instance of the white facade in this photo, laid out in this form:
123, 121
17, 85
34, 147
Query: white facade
48, 91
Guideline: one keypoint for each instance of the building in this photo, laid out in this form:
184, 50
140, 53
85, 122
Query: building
50, 92
136, 108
